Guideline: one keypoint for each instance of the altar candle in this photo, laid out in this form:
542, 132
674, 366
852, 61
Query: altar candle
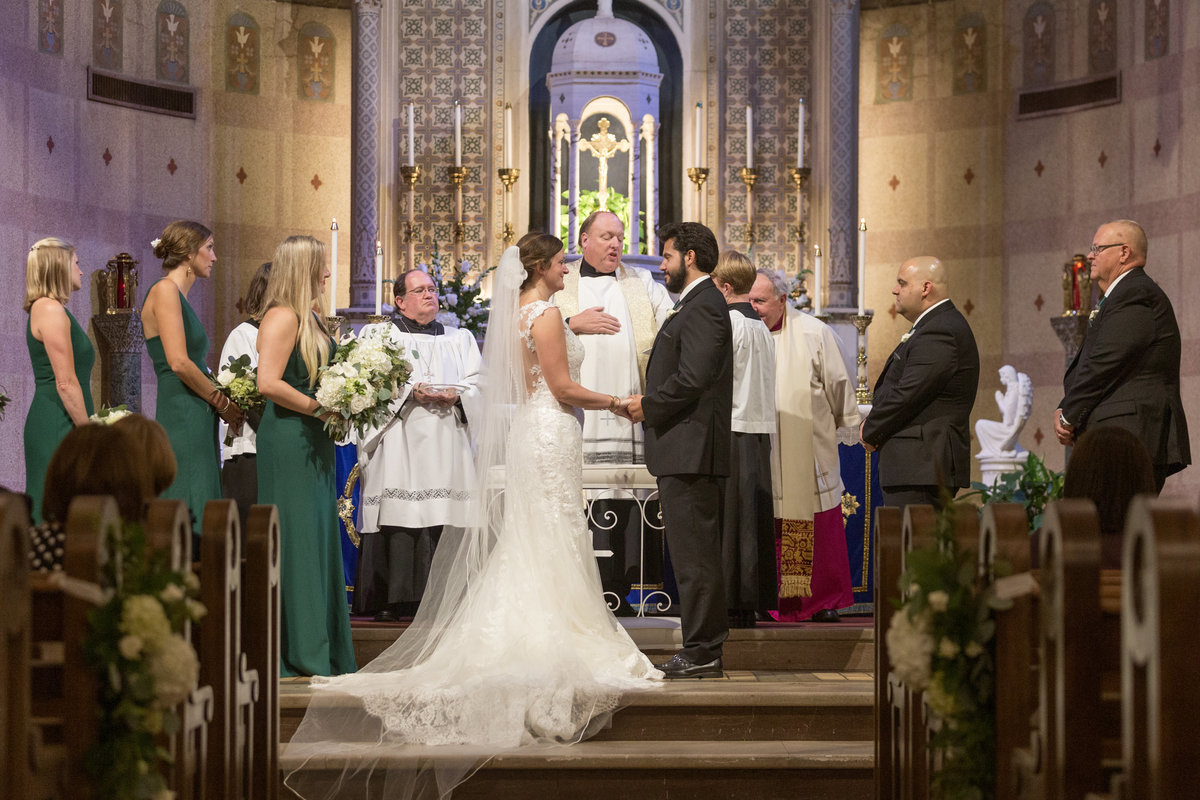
699, 132
333, 270
816, 287
378, 278
749, 138
457, 134
412, 139
800, 138
862, 266
508, 162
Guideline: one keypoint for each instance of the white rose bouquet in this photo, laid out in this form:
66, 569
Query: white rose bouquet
363, 376
238, 381
144, 664
110, 414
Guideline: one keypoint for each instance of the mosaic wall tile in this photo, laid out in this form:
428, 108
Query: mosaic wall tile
1102, 36
108, 34
767, 57
315, 71
893, 65
171, 42
242, 54
50, 26
1039, 45
970, 55
1158, 28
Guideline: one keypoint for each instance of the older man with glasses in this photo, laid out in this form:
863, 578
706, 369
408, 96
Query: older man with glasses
1126, 372
417, 469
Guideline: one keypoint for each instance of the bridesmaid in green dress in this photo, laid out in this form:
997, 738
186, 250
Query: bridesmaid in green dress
188, 406
62, 357
296, 465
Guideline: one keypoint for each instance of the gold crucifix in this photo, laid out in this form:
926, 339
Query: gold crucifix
603, 146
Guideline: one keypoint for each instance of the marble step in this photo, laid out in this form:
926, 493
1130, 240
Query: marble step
651, 770
849, 645
743, 706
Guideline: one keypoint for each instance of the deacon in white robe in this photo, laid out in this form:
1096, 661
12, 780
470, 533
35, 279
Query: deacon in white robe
748, 526
417, 470
813, 398
615, 309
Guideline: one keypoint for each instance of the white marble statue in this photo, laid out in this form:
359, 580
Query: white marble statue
999, 439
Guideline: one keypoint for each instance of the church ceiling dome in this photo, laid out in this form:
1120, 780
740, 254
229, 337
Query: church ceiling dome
604, 44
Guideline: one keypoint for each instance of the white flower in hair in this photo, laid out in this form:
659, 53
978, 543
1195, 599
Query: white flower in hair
155, 243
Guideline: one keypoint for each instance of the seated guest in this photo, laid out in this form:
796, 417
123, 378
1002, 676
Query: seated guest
748, 525
131, 461
1109, 466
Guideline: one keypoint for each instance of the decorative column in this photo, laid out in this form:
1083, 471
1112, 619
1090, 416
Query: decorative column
121, 347
843, 144
573, 180
648, 128
364, 188
555, 181
635, 190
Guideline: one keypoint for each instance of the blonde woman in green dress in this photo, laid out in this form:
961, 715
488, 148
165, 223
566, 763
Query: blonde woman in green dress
296, 465
62, 358
188, 406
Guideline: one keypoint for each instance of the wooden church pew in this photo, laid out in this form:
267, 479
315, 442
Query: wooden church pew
1004, 536
889, 522
15, 659
260, 633
223, 664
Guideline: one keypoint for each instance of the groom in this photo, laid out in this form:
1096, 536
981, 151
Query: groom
686, 411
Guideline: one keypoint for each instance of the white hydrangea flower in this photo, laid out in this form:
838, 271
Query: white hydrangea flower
173, 593
142, 615
910, 648
175, 670
973, 649
939, 600
948, 648
130, 646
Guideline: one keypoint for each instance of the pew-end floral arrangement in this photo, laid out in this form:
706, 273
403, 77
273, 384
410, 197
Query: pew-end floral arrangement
365, 375
941, 642
145, 665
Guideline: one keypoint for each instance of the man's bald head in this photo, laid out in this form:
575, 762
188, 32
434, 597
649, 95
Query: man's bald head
920, 283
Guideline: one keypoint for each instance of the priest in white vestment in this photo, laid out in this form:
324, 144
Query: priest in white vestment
615, 309
813, 398
417, 470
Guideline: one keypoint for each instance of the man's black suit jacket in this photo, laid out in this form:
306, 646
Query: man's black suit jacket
1126, 372
688, 403
920, 417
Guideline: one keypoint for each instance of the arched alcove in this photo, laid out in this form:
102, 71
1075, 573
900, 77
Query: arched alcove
670, 146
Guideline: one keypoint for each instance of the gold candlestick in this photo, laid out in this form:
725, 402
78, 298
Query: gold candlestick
410, 176
698, 175
749, 176
861, 393
457, 176
800, 178
508, 176
376, 318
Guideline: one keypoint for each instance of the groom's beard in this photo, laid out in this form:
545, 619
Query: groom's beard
676, 281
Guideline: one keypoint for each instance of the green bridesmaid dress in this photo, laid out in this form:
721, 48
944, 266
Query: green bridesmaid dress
48, 422
296, 473
190, 422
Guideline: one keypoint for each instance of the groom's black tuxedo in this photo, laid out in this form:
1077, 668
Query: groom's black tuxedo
688, 406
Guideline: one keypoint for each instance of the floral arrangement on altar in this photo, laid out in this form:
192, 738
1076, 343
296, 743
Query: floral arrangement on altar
458, 295
107, 415
363, 376
238, 381
940, 642
145, 665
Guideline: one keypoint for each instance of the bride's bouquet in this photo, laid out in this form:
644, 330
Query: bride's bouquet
363, 376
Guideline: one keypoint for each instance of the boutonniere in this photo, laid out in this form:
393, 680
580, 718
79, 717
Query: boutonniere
1092, 315
904, 338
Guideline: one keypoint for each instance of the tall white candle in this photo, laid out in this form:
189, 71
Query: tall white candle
378, 278
457, 134
333, 270
749, 138
800, 138
508, 132
816, 280
862, 266
699, 133
412, 139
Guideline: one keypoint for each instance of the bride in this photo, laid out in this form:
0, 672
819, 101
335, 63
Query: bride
513, 645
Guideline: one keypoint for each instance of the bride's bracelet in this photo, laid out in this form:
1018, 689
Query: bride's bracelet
614, 404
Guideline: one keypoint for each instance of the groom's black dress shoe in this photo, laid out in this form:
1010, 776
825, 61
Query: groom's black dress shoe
680, 667
826, 615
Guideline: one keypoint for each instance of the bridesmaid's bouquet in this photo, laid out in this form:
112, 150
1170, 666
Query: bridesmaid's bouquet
238, 381
364, 375
107, 415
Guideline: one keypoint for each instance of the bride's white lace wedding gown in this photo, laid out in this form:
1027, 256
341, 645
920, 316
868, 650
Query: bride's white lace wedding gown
530, 653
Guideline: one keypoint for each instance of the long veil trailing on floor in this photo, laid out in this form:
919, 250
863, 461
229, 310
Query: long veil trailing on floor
513, 646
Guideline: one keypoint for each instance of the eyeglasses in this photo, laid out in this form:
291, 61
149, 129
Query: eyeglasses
1097, 248
423, 290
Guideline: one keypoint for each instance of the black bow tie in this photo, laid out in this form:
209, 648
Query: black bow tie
586, 270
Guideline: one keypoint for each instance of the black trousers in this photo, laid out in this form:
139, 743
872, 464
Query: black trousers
901, 496
393, 565
691, 507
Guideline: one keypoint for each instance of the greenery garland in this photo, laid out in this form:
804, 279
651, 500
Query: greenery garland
144, 665
940, 642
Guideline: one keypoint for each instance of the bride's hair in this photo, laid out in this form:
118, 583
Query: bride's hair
537, 249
